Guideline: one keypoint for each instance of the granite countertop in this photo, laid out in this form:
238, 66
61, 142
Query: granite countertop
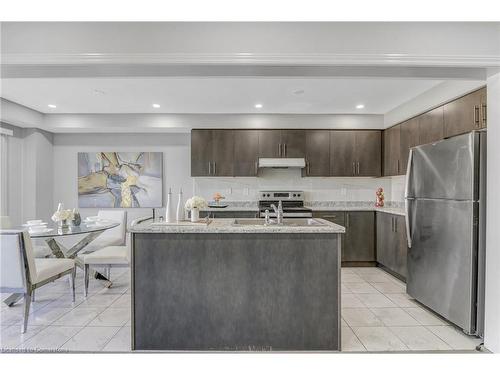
388, 210
395, 209
227, 226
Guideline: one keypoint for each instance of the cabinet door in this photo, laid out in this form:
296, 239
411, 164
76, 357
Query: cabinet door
317, 153
462, 115
342, 153
337, 217
401, 247
293, 143
246, 152
391, 151
368, 145
201, 152
269, 143
359, 241
223, 152
408, 138
386, 240
483, 112
431, 126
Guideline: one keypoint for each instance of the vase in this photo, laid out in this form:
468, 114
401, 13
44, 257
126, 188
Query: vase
63, 224
195, 215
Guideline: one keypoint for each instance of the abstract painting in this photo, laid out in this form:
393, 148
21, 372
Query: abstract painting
120, 179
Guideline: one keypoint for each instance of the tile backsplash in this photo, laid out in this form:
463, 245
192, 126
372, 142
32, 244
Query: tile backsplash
315, 188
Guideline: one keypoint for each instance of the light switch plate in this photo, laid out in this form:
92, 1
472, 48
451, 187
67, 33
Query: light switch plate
246, 191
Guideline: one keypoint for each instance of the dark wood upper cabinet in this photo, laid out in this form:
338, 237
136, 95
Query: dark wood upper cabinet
270, 143
212, 152
483, 108
368, 146
222, 151
409, 137
463, 114
355, 153
289, 143
392, 151
317, 153
246, 152
201, 152
342, 153
293, 143
431, 126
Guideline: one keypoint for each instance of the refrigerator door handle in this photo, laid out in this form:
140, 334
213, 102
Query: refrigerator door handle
407, 203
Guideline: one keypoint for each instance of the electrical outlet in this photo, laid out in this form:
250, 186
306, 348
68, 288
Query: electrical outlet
229, 191
246, 191
343, 191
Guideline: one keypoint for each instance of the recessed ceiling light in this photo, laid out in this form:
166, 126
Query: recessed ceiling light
258, 105
52, 106
156, 106
360, 106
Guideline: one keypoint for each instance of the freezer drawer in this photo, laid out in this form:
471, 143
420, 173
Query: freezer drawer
442, 259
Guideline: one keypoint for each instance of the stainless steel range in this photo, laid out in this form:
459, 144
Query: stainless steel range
292, 201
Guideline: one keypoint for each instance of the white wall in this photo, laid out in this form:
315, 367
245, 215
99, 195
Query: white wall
492, 294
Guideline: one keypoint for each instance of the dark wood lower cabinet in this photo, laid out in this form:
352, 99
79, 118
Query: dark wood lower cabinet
358, 242
391, 243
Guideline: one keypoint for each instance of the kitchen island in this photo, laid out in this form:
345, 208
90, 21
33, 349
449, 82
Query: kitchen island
238, 286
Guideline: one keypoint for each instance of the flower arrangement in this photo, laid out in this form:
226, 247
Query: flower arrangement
62, 215
195, 203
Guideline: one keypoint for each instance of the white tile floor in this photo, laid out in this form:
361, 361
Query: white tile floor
377, 315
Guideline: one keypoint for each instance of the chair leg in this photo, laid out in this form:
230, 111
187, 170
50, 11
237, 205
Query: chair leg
86, 279
33, 296
27, 303
72, 283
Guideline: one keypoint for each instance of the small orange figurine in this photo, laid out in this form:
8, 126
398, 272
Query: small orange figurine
380, 197
218, 197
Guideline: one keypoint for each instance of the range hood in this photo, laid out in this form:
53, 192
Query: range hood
282, 163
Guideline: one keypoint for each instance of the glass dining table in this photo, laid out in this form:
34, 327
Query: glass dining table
52, 234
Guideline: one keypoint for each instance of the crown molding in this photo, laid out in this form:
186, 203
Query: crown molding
391, 59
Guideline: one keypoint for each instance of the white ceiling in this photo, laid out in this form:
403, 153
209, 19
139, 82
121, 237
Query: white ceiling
213, 95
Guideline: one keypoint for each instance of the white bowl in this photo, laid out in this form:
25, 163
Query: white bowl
34, 222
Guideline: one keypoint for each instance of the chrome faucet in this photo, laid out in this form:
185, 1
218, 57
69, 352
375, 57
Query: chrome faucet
279, 212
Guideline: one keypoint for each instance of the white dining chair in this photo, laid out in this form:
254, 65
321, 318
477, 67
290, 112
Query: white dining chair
111, 250
22, 273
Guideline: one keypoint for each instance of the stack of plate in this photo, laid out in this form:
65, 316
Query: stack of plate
37, 227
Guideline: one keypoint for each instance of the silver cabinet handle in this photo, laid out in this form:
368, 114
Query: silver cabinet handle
329, 216
284, 149
308, 168
209, 168
476, 115
279, 149
215, 168
353, 168
347, 219
256, 167
484, 110
357, 171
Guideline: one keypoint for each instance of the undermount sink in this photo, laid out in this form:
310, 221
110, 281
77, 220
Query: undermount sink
296, 222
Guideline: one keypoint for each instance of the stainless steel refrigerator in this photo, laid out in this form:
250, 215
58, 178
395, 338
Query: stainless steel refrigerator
445, 216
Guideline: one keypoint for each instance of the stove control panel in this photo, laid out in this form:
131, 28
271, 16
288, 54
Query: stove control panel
281, 195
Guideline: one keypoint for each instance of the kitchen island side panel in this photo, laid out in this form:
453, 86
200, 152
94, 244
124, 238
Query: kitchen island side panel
252, 291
